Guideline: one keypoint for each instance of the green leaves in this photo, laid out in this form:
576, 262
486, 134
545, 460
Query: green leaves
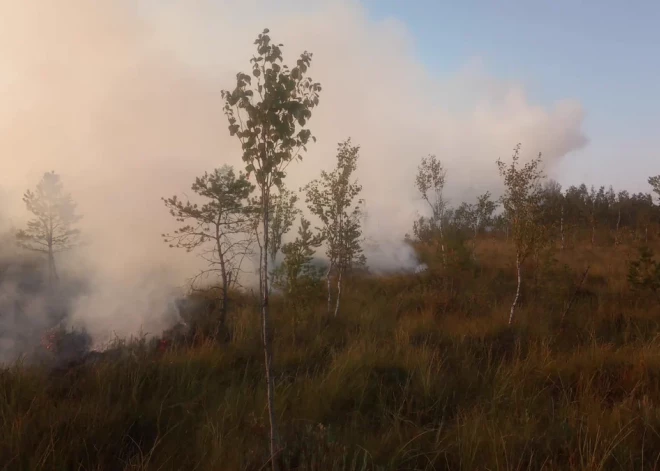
332, 198
522, 202
225, 210
270, 116
644, 273
283, 213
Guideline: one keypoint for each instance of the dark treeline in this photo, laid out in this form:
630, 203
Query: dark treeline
576, 214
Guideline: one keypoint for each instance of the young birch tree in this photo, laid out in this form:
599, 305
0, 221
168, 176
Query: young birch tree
268, 111
430, 182
332, 198
296, 276
220, 229
51, 230
483, 210
283, 214
522, 204
655, 184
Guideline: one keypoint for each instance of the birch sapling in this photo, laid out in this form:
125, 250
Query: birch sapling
430, 182
522, 204
296, 276
333, 198
268, 112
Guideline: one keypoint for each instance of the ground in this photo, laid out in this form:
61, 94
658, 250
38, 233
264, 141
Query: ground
418, 371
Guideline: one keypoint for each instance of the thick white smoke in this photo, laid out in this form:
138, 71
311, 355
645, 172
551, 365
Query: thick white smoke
123, 99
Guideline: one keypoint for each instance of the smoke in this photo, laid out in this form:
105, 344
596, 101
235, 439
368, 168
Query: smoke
123, 100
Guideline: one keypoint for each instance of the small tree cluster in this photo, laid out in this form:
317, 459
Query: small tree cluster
296, 276
333, 198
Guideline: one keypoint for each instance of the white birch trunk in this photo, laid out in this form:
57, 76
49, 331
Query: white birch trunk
267, 336
338, 293
328, 278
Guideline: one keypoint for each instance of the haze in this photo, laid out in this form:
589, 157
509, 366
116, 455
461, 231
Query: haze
123, 100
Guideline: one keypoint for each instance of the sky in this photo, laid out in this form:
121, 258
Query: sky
602, 53
123, 99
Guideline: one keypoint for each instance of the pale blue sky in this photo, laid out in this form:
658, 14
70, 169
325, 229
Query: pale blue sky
605, 54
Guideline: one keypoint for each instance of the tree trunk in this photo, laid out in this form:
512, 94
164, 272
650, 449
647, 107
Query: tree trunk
328, 278
515, 300
223, 273
267, 337
561, 228
338, 292
52, 271
618, 223
225, 299
442, 242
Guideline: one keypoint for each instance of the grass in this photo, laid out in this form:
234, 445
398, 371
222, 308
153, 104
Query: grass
418, 372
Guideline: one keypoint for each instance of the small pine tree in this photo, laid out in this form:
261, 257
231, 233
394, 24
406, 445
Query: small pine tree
51, 230
644, 273
220, 229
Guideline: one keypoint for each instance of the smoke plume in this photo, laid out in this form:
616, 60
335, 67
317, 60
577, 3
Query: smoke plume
123, 100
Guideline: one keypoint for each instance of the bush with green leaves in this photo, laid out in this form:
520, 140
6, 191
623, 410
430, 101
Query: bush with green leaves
297, 277
644, 273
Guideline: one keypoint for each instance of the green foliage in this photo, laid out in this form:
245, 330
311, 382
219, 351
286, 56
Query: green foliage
296, 276
522, 203
644, 273
475, 217
221, 226
269, 114
333, 199
430, 182
283, 214
298, 256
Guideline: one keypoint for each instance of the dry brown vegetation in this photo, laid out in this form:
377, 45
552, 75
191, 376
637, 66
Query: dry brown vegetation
418, 372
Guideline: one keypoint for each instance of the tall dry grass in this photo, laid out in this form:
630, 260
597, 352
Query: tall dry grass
418, 372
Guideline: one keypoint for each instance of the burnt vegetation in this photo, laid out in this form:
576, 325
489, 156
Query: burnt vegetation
528, 338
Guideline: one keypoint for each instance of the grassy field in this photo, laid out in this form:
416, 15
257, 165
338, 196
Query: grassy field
417, 372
